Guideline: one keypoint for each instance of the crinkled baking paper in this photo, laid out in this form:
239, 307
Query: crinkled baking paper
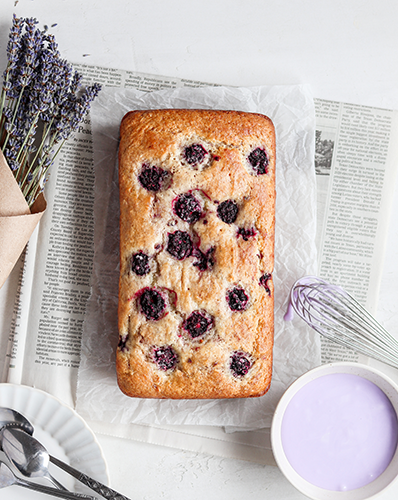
296, 348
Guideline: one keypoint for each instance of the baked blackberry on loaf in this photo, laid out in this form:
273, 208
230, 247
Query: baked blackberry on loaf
197, 217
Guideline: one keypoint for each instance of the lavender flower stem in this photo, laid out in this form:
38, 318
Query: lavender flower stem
28, 190
43, 140
28, 135
23, 172
44, 172
3, 94
14, 116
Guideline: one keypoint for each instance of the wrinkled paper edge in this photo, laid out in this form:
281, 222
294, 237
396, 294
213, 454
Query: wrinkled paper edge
17, 221
296, 347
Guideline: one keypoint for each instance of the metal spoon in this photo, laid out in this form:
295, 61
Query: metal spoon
8, 478
12, 418
88, 481
27, 454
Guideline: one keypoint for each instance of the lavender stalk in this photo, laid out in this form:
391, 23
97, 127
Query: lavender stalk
41, 104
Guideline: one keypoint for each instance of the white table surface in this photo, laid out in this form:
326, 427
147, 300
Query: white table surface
346, 50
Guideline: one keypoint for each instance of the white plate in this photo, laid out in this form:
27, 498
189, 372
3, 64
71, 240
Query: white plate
62, 431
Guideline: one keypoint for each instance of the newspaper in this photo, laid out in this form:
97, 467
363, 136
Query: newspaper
356, 156
356, 166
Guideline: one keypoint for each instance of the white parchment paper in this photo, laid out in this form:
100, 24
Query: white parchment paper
296, 348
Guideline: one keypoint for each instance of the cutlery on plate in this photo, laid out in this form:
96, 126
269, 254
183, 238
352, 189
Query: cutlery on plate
12, 418
8, 478
103, 490
27, 454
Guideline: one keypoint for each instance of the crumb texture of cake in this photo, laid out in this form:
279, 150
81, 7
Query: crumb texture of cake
197, 221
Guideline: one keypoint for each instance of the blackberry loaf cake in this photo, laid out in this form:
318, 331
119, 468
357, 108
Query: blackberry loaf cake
197, 217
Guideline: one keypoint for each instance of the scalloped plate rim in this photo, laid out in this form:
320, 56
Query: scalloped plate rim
10, 392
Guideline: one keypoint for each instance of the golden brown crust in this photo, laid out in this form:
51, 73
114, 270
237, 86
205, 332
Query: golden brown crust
203, 364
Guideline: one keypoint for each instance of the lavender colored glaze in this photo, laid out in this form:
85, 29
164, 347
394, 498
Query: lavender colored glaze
289, 315
339, 432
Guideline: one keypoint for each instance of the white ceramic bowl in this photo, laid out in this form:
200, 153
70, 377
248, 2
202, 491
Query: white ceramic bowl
365, 492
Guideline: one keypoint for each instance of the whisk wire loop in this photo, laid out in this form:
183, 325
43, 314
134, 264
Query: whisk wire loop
338, 316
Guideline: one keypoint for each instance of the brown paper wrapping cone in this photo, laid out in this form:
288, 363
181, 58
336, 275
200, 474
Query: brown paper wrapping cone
17, 221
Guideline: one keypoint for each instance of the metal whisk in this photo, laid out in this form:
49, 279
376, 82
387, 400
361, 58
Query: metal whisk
339, 317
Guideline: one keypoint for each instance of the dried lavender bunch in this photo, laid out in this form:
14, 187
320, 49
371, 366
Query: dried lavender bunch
41, 104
